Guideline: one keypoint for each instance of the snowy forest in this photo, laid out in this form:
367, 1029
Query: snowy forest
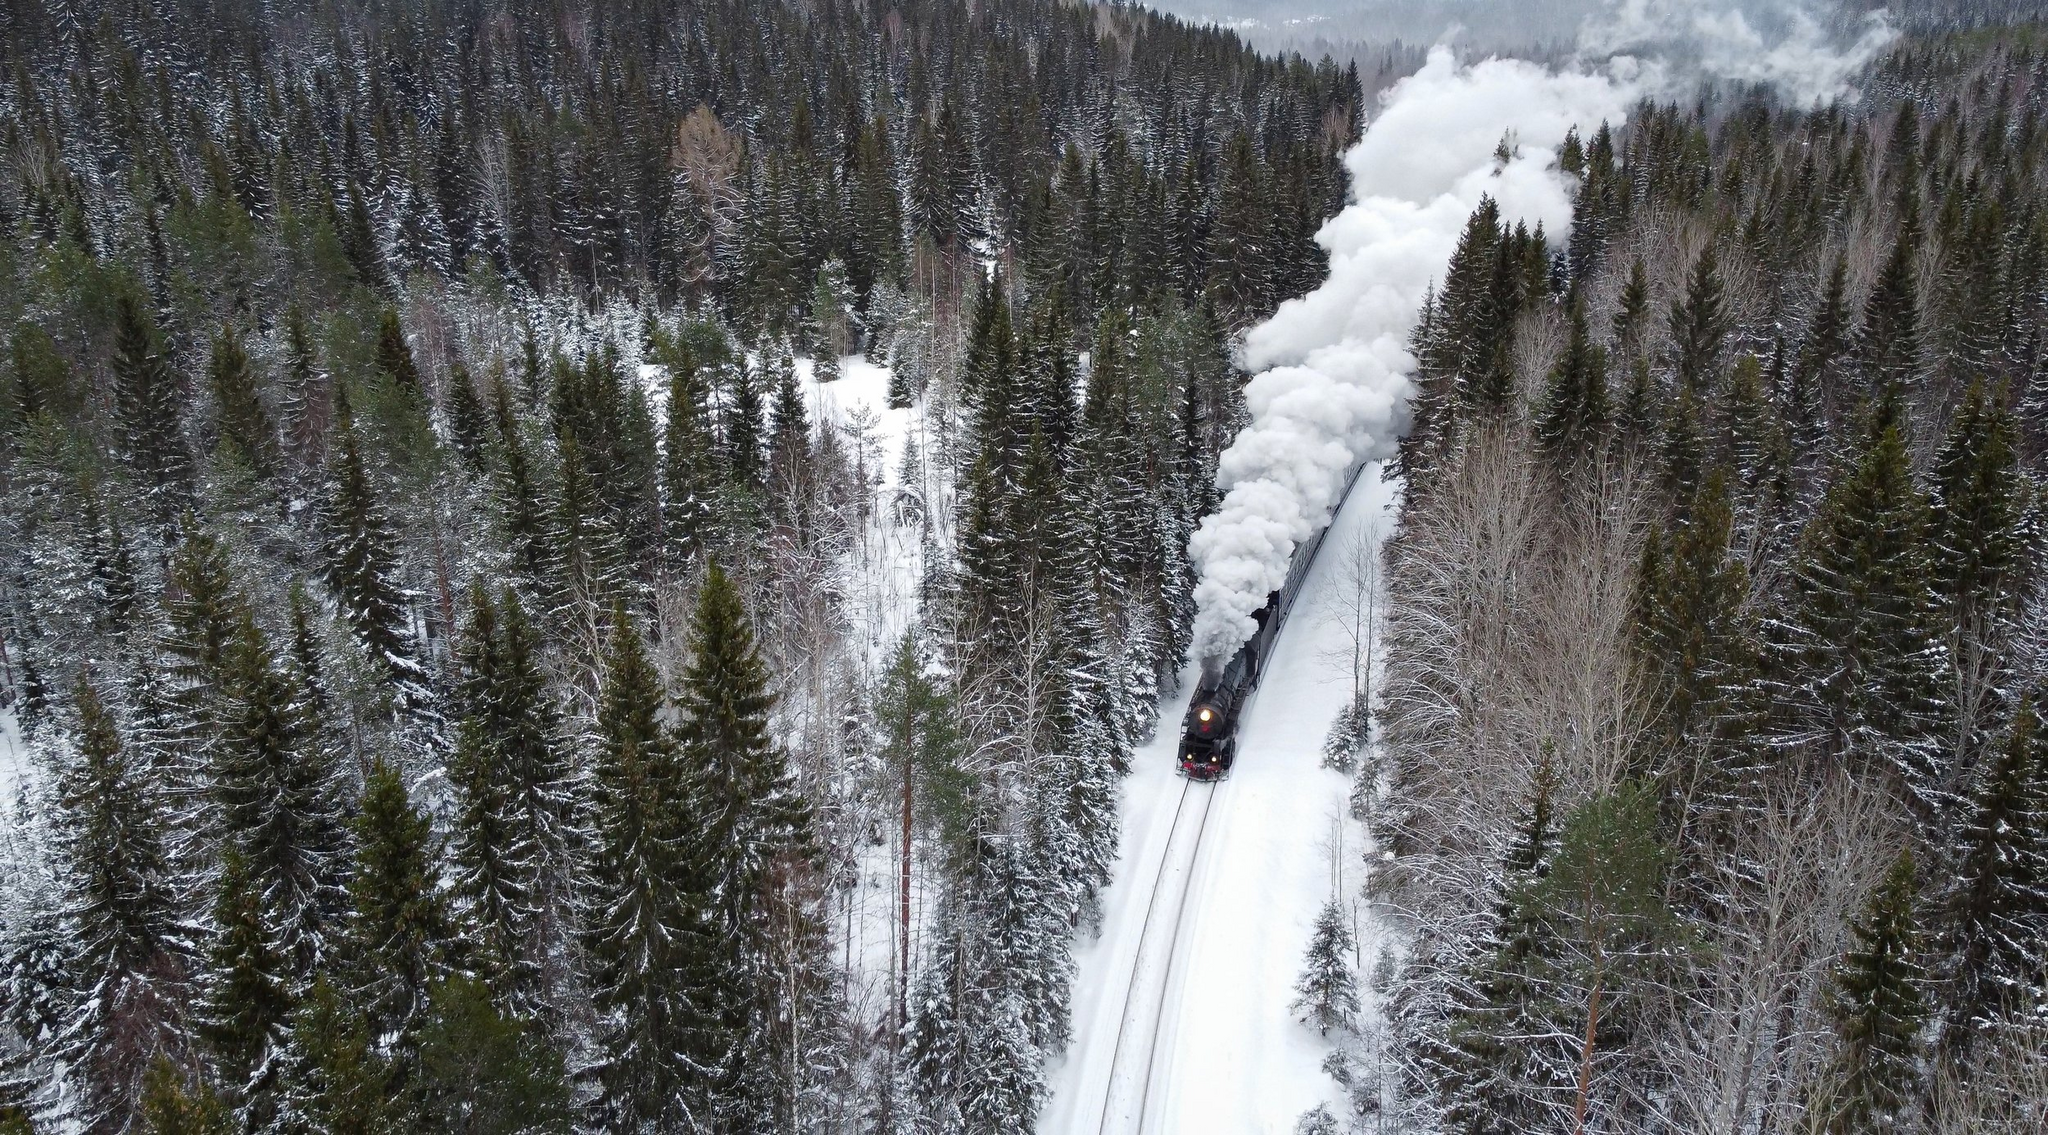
1721, 560
600, 568
474, 670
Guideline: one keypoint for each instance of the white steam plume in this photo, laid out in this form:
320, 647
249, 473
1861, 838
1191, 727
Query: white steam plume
1782, 43
1335, 362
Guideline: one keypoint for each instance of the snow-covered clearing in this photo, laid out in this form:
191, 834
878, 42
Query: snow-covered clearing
1228, 1055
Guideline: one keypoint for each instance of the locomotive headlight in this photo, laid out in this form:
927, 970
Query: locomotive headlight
1207, 713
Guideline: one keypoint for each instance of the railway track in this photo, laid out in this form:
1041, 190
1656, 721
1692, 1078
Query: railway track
1149, 991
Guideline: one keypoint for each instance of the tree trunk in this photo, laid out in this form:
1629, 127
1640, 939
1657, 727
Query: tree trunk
903, 897
1586, 1056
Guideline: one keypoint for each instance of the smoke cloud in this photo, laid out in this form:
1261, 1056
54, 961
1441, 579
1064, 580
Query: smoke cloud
1334, 365
1781, 43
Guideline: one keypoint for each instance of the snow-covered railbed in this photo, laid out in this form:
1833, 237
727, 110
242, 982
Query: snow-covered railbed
1229, 1055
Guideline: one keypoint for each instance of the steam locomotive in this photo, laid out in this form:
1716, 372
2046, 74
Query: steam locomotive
1208, 734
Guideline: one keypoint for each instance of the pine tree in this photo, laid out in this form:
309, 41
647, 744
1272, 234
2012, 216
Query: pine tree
1328, 990
148, 393
483, 1073
244, 423
337, 1083
132, 960
1880, 1009
1602, 907
171, 1106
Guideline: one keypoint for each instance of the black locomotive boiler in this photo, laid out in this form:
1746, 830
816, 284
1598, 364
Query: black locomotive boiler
1208, 735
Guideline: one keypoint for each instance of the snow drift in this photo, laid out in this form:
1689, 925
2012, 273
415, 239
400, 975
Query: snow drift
1334, 365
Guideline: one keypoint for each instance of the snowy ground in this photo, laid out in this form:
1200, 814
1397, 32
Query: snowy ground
1229, 1057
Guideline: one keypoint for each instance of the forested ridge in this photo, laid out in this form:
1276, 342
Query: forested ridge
1720, 568
473, 677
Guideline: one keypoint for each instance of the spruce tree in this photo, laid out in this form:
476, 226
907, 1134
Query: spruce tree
468, 426
511, 776
1487, 1075
745, 430
1880, 1008
1699, 326
1241, 254
204, 612
303, 396
248, 1001
1827, 342
1698, 645
149, 397
1981, 569
394, 354
1632, 311
750, 828
789, 439
689, 478
1573, 413
1858, 654
132, 959
644, 919
521, 515
1888, 341
244, 423
276, 806
1327, 993
1998, 910
398, 928
361, 565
